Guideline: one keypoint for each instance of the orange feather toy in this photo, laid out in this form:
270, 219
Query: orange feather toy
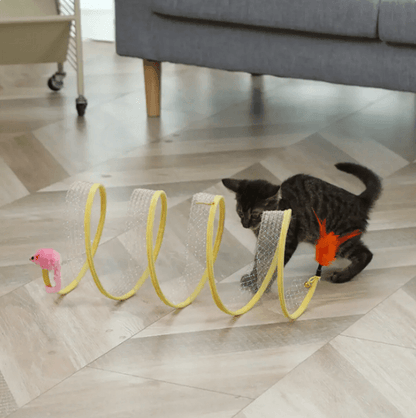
328, 243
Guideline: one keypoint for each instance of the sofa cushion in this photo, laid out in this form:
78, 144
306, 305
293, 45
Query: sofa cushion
397, 21
357, 18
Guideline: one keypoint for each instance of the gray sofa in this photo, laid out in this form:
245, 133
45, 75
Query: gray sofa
369, 43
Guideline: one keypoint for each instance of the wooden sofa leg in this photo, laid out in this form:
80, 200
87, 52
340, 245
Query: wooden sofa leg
152, 86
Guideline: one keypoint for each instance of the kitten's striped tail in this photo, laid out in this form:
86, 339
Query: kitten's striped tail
369, 178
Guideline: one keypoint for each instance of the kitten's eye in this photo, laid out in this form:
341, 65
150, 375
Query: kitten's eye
256, 216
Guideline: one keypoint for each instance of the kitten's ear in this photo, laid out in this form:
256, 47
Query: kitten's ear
274, 191
232, 184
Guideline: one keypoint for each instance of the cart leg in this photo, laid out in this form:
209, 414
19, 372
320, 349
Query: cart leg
81, 101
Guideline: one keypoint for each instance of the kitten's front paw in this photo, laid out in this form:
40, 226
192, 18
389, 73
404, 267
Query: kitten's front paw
269, 287
340, 276
249, 281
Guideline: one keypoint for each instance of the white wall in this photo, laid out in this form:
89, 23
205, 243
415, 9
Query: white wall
97, 4
97, 20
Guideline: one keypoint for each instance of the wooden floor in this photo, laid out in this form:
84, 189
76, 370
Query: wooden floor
352, 354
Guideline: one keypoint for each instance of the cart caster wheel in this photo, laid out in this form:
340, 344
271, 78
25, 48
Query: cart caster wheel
81, 104
54, 84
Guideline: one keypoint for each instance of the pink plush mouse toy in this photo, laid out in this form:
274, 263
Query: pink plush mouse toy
49, 259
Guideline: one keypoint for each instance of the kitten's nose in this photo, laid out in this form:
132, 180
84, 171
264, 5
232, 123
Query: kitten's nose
246, 223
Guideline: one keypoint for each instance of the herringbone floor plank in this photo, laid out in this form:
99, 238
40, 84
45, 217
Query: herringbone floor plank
353, 353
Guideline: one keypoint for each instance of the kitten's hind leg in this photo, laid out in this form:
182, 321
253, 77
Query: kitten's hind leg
360, 256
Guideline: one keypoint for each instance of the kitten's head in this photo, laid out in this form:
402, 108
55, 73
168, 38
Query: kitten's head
253, 197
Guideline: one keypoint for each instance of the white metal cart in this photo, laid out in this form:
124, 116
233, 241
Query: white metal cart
44, 31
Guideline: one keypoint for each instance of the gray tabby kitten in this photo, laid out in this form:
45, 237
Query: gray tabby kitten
344, 213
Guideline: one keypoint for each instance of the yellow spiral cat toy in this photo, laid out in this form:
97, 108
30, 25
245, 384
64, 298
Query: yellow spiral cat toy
204, 209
